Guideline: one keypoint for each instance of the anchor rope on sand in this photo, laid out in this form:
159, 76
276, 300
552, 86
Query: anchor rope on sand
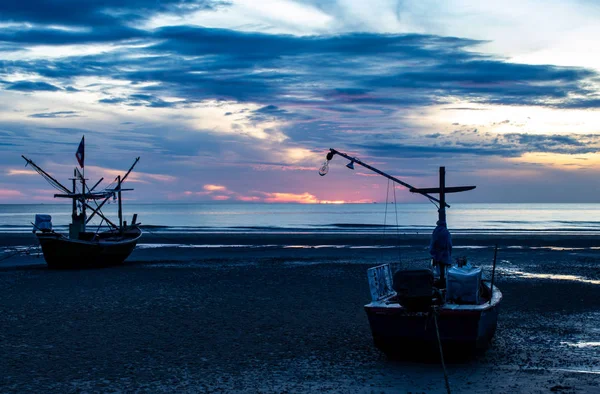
437, 332
27, 250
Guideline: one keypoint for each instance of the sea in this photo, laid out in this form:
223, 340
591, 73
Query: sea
326, 218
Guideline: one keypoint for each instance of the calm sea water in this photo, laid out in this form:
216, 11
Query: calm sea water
222, 217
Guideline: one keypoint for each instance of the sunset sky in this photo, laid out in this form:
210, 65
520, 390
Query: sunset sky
240, 100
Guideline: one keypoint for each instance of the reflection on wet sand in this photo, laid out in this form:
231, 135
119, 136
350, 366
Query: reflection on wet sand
581, 344
529, 275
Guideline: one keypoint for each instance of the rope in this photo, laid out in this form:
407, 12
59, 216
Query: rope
387, 193
437, 332
27, 250
49, 180
434, 204
397, 230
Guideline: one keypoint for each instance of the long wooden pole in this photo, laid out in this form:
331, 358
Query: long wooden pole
442, 211
120, 204
83, 200
442, 218
357, 161
97, 183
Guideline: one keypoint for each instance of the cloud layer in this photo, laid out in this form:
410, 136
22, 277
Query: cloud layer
206, 105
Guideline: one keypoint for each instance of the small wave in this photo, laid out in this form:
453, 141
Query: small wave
510, 221
370, 225
578, 222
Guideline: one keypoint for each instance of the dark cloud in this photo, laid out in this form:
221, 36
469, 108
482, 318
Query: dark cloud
272, 112
53, 36
342, 73
421, 151
29, 86
95, 13
58, 114
580, 103
138, 100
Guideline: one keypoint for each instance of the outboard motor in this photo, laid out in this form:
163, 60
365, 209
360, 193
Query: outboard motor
43, 223
414, 289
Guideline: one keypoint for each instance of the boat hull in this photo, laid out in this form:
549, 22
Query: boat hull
464, 330
61, 252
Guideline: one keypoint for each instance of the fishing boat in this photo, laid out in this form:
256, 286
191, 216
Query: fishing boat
445, 309
86, 245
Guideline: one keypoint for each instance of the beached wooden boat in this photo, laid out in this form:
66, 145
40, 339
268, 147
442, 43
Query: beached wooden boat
417, 313
90, 250
83, 248
407, 331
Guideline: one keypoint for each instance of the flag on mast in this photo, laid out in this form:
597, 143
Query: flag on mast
80, 154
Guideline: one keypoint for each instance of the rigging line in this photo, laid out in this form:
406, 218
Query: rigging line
387, 193
53, 182
100, 225
433, 202
49, 180
397, 230
95, 211
27, 250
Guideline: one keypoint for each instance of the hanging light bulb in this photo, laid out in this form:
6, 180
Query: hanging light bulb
350, 165
324, 168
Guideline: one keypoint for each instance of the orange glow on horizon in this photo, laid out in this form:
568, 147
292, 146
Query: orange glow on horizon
304, 198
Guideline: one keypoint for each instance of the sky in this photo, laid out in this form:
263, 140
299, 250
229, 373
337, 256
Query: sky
240, 100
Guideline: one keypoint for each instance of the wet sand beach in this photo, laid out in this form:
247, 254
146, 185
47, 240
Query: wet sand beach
284, 313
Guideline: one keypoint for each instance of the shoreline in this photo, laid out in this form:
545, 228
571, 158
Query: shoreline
316, 238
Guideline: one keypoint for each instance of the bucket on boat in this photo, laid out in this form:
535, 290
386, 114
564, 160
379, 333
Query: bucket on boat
462, 284
42, 223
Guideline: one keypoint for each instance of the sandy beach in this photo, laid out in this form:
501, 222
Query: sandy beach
284, 313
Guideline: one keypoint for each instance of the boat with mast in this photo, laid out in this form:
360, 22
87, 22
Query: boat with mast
82, 247
416, 313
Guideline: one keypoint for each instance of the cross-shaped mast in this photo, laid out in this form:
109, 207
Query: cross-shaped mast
442, 190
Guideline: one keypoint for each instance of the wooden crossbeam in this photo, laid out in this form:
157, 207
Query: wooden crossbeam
433, 190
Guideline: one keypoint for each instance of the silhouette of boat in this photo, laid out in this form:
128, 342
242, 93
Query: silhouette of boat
417, 313
81, 247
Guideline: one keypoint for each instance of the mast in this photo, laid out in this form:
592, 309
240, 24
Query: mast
120, 204
74, 213
442, 210
83, 198
79, 222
